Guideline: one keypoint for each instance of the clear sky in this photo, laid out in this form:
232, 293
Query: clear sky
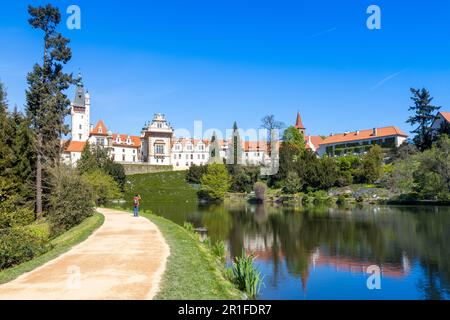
220, 61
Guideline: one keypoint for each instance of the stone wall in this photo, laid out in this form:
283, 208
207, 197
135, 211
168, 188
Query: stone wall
140, 168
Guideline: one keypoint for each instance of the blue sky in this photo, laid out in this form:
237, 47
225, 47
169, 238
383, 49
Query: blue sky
220, 61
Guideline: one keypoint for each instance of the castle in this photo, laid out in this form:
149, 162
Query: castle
158, 146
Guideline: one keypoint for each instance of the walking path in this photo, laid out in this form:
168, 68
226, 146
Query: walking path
124, 259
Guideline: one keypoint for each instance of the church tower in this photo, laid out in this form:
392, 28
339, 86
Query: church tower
299, 125
234, 155
80, 112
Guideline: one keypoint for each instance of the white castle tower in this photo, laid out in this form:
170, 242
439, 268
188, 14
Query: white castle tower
80, 111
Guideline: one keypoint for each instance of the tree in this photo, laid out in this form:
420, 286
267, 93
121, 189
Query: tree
47, 105
433, 173
294, 137
96, 158
269, 123
424, 114
215, 183
292, 184
195, 173
104, 187
71, 201
371, 165
260, 189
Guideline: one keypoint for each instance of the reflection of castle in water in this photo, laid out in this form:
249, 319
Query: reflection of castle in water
263, 248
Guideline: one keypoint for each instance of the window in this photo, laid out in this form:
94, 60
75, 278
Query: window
134, 158
80, 136
100, 141
174, 156
203, 156
123, 158
187, 164
192, 157
178, 164
179, 156
198, 156
100, 130
159, 125
134, 151
123, 150
187, 156
81, 127
159, 149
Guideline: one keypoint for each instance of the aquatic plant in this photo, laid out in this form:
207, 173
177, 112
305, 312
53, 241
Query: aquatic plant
189, 227
218, 250
245, 275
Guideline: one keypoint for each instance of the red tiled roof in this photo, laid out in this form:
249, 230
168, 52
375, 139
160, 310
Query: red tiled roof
364, 134
315, 140
135, 141
445, 115
255, 146
299, 123
96, 130
75, 146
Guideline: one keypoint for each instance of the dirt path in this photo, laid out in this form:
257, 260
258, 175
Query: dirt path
124, 259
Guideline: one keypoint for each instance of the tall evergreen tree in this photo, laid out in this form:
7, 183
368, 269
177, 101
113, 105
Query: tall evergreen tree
424, 114
47, 105
5, 135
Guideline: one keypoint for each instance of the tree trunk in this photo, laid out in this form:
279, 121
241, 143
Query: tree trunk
39, 178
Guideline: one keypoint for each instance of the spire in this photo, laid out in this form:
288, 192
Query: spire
299, 123
79, 93
235, 127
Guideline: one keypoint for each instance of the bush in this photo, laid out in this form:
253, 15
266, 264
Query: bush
104, 186
218, 250
189, 227
260, 189
215, 183
71, 201
292, 184
195, 173
21, 244
245, 276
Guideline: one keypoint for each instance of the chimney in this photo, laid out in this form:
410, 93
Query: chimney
357, 132
375, 132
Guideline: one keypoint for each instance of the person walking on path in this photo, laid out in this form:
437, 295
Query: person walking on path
136, 202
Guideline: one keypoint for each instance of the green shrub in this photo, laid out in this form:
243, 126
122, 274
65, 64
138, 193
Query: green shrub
189, 227
71, 201
215, 183
104, 186
260, 189
218, 250
245, 276
21, 244
292, 184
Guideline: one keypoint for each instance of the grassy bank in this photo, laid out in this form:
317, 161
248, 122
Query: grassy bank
192, 272
60, 245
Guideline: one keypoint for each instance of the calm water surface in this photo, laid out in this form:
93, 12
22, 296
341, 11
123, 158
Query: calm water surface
323, 253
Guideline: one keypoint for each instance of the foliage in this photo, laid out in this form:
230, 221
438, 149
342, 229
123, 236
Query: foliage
260, 189
243, 177
20, 244
245, 276
433, 173
215, 183
102, 185
96, 158
72, 199
195, 173
372, 165
424, 114
292, 184
47, 105
218, 250
189, 227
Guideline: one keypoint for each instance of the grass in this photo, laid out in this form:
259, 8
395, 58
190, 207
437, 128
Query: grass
60, 245
164, 187
192, 272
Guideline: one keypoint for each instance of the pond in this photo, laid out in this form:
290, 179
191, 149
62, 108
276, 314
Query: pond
324, 252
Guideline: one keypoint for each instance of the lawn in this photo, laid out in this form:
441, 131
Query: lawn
192, 273
164, 187
60, 245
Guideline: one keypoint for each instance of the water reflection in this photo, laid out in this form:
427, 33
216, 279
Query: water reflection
324, 252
